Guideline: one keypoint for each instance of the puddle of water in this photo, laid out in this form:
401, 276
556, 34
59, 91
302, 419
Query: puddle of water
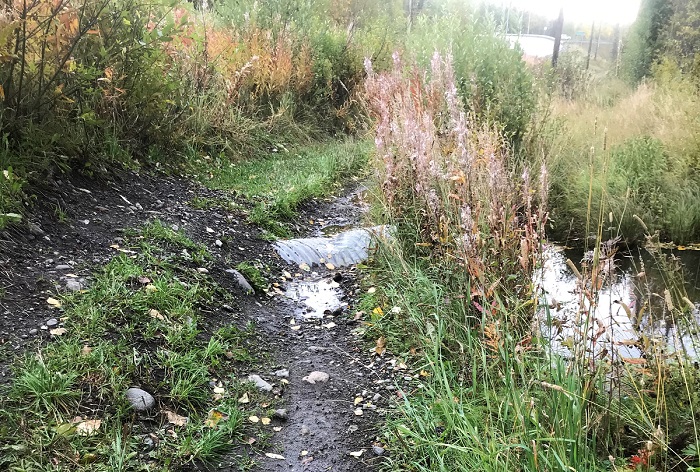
319, 297
343, 249
568, 318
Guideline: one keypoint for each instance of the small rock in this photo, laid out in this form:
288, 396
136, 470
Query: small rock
138, 206
52, 323
304, 430
260, 383
282, 373
140, 400
202, 270
36, 230
73, 286
281, 414
218, 243
33, 331
316, 376
148, 443
376, 397
63, 267
242, 282
378, 450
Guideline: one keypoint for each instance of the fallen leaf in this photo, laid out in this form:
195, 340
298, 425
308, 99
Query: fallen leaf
303, 453
58, 331
142, 279
151, 288
88, 427
381, 346
274, 456
358, 400
359, 412
371, 290
330, 266
244, 398
296, 328
330, 325
266, 421
307, 460
214, 417
633, 361
424, 373
65, 429
250, 440
378, 311
253, 419
156, 314
85, 350
219, 390
175, 419
357, 453
53, 302
305, 267
277, 429
209, 230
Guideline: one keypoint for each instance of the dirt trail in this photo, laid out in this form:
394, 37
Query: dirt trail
327, 420
324, 424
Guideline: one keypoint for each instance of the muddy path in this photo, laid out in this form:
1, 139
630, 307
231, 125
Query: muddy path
78, 225
336, 393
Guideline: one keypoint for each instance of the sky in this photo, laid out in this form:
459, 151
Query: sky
607, 11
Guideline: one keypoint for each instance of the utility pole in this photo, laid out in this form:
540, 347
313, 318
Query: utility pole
597, 46
590, 46
558, 27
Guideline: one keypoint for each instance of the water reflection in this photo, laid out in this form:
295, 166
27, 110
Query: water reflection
627, 315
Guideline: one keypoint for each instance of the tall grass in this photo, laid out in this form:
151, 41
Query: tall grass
637, 152
459, 304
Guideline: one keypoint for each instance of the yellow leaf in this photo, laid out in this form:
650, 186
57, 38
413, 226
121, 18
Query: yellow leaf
378, 311
88, 427
265, 421
381, 346
53, 302
253, 419
213, 418
175, 419
244, 398
58, 331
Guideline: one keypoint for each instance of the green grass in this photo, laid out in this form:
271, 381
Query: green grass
137, 325
278, 183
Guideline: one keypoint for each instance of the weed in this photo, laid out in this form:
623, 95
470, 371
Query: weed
252, 272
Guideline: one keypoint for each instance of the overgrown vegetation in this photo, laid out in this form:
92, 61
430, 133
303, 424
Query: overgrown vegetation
138, 325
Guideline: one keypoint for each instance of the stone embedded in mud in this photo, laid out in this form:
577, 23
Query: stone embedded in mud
52, 323
282, 373
73, 286
316, 377
281, 414
260, 383
242, 282
140, 400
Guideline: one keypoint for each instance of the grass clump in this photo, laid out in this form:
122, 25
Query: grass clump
139, 324
279, 183
253, 273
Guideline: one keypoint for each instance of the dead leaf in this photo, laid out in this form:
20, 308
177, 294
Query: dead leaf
175, 419
634, 361
381, 346
307, 460
219, 390
53, 302
330, 266
277, 429
156, 314
85, 350
358, 400
357, 453
305, 267
151, 288
330, 325
296, 328
142, 279
214, 417
58, 331
88, 427
304, 453
371, 290
253, 419
266, 421
274, 456
250, 440
244, 398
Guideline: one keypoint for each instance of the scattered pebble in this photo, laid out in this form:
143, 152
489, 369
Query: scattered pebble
378, 450
73, 286
218, 243
63, 267
281, 414
316, 376
140, 400
283, 373
304, 430
53, 322
260, 383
